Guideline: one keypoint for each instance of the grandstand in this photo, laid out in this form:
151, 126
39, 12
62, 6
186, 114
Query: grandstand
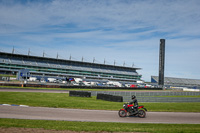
177, 81
11, 63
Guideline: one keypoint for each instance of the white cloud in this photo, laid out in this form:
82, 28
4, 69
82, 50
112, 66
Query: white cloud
100, 14
116, 30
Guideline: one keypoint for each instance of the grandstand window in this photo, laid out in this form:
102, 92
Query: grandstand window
50, 65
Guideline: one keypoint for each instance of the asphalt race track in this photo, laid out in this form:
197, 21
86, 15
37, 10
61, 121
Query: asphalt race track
43, 113
32, 90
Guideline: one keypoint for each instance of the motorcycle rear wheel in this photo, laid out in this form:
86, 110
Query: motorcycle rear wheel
142, 114
122, 113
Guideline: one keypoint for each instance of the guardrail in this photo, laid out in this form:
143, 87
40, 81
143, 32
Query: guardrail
127, 93
163, 99
153, 96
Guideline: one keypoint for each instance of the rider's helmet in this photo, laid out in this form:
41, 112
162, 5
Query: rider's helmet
133, 96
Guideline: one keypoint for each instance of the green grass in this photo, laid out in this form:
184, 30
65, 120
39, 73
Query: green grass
57, 100
101, 126
63, 100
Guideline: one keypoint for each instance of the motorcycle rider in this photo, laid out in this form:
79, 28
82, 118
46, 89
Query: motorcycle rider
135, 107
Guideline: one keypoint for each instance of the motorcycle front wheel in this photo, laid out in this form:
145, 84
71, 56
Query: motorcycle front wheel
142, 114
122, 113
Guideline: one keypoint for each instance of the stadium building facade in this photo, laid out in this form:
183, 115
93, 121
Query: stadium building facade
184, 82
37, 66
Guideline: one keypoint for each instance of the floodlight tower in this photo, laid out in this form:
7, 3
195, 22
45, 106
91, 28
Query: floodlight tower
161, 63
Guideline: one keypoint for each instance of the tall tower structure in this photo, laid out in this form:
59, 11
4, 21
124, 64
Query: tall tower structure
161, 62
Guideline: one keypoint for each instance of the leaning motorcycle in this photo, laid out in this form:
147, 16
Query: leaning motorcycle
128, 110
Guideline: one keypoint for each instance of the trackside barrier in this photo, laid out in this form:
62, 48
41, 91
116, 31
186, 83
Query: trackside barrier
75, 87
80, 93
150, 94
108, 97
153, 96
167, 99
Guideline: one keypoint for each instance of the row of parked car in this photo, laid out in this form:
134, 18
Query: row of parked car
86, 82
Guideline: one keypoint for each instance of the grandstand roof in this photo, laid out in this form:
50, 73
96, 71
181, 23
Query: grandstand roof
66, 61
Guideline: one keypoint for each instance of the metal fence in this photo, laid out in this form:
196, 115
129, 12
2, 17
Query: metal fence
154, 96
163, 99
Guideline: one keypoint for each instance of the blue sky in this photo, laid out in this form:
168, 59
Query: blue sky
124, 31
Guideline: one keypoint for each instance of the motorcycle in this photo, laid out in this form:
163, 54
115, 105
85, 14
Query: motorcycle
128, 110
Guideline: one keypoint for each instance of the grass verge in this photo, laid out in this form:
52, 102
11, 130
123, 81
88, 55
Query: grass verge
63, 100
100, 126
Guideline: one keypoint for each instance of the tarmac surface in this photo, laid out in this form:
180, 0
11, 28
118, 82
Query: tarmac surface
32, 90
43, 113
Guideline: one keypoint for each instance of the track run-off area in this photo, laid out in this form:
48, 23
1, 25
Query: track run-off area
45, 113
